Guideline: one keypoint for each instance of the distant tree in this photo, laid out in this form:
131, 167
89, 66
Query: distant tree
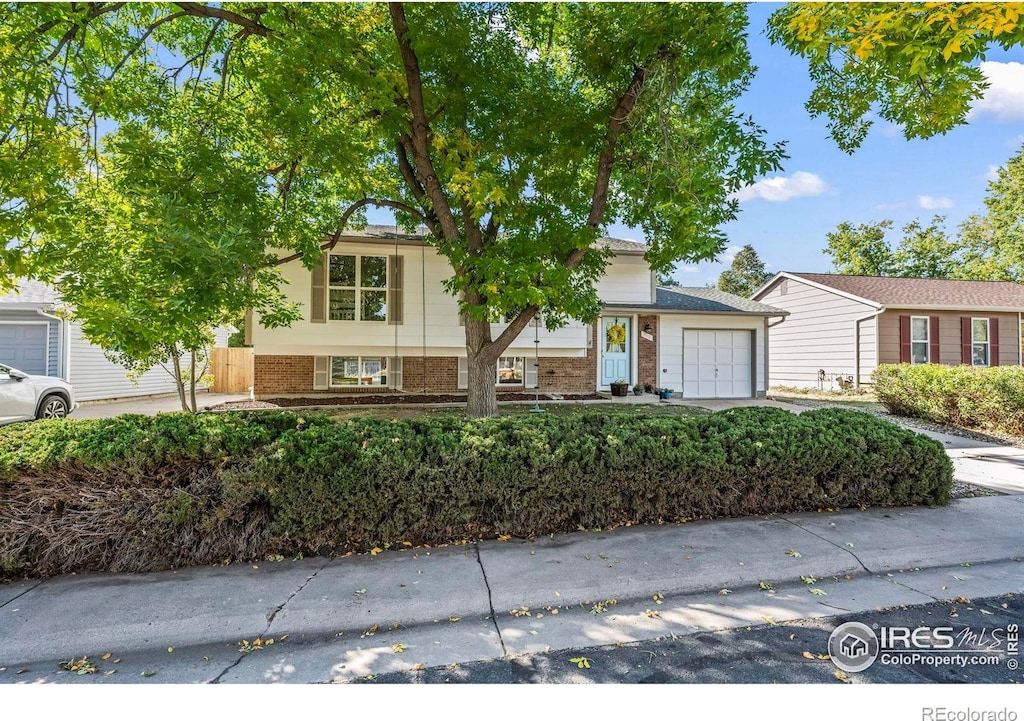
746, 274
994, 241
861, 250
927, 251
667, 280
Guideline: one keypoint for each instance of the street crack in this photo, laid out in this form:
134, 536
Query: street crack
27, 590
270, 619
829, 541
490, 601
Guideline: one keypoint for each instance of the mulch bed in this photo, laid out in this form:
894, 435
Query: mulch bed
384, 399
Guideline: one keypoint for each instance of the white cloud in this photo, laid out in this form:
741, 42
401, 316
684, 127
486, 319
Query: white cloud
688, 269
779, 188
729, 254
929, 203
1004, 98
886, 207
992, 174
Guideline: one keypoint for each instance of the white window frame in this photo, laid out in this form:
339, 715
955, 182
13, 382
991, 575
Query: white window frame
987, 343
358, 288
927, 337
529, 373
385, 371
517, 361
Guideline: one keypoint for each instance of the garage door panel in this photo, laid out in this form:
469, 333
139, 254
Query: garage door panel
717, 363
24, 346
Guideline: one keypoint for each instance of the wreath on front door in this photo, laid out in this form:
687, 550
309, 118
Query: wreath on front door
616, 334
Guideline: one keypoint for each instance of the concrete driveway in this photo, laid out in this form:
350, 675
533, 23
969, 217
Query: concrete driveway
150, 405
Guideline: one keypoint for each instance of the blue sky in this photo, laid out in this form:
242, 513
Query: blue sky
785, 216
888, 177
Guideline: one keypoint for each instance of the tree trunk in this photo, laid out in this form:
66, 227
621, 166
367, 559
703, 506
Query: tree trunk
178, 381
482, 400
192, 382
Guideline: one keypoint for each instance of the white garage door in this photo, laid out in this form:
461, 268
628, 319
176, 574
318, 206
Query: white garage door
717, 363
24, 346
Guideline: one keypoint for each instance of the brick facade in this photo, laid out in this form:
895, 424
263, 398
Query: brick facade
647, 351
290, 375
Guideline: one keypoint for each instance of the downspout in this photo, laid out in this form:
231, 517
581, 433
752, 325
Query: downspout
63, 342
767, 327
856, 344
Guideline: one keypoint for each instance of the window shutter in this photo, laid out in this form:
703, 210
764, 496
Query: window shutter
318, 291
463, 373
965, 340
993, 341
905, 339
933, 339
321, 373
395, 295
395, 373
530, 377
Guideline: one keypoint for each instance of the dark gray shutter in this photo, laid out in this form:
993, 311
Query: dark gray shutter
318, 291
396, 297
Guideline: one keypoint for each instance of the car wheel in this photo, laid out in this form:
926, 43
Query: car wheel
52, 407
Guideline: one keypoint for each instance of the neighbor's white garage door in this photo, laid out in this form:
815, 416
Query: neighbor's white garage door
717, 363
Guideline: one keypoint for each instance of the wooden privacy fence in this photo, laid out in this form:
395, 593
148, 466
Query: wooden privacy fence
232, 370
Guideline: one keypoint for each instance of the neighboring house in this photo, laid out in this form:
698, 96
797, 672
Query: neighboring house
842, 327
378, 319
36, 340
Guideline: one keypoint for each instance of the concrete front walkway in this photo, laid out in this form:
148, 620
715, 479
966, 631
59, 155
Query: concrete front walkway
346, 618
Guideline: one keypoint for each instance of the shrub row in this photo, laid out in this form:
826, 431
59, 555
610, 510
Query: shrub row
985, 398
141, 494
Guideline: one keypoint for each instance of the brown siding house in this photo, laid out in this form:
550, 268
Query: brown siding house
842, 327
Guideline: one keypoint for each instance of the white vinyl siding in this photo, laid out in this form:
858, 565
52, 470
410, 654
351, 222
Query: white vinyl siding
819, 334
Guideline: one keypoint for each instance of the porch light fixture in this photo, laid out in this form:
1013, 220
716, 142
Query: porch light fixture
647, 328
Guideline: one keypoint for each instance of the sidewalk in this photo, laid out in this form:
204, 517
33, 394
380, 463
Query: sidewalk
345, 618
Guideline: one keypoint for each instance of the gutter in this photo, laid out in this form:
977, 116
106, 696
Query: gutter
856, 343
64, 341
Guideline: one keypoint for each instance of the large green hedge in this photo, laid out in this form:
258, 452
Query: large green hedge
137, 493
986, 398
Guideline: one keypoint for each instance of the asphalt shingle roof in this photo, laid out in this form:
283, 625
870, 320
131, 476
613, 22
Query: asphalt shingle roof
933, 292
703, 300
31, 291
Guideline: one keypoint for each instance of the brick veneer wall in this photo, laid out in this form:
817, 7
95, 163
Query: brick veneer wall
647, 351
294, 374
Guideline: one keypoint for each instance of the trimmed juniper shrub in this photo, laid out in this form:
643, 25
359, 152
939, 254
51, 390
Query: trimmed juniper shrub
141, 494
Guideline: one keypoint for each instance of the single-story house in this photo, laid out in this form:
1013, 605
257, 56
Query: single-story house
378, 319
841, 327
34, 338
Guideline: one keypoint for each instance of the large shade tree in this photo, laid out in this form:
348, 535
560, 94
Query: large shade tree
514, 132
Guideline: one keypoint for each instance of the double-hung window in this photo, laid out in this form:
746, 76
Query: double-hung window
981, 343
919, 339
358, 287
510, 371
359, 371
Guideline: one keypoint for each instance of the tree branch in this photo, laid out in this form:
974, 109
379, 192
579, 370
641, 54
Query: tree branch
343, 221
138, 44
419, 144
605, 162
513, 329
249, 25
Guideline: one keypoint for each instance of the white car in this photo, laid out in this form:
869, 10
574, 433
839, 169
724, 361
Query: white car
25, 398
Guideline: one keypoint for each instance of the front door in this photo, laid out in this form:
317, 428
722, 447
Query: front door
615, 338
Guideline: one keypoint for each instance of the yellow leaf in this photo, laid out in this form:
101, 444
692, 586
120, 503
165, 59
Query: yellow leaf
105, 656
808, 654
398, 647
374, 551
407, 544
842, 676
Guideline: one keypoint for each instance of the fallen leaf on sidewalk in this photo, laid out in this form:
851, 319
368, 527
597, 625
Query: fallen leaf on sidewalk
842, 676
105, 656
580, 661
374, 551
147, 674
808, 654
398, 648
652, 614
808, 579
360, 592
817, 592
80, 666
765, 586
793, 553
724, 592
